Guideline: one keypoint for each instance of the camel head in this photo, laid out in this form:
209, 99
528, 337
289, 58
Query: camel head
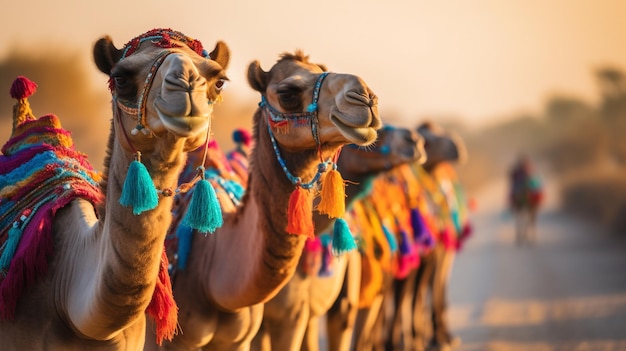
164, 85
441, 145
315, 106
395, 146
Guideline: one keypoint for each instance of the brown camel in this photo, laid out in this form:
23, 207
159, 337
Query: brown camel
377, 324
106, 261
292, 316
432, 276
525, 195
306, 115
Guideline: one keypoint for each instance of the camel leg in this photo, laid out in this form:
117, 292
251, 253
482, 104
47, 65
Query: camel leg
311, 338
401, 334
365, 320
532, 224
290, 338
341, 317
423, 283
441, 331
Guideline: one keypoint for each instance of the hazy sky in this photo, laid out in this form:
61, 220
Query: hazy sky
473, 59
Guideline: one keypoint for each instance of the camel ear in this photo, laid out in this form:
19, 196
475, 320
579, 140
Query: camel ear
221, 54
257, 78
105, 54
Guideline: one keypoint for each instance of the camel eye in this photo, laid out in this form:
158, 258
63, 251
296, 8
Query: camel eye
290, 99
219, 85
124, 87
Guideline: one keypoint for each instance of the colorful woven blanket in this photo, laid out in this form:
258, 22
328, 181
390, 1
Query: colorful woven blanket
40, 172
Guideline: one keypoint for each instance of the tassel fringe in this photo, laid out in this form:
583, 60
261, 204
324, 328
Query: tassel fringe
204, 213
333, 195
138, 191
15, 234
343, 241
162, 307
299, 213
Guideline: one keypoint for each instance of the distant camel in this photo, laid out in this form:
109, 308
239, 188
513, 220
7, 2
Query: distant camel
524, 198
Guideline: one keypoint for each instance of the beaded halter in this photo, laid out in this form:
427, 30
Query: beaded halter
280, 120
332, 199
139, 191
164, 38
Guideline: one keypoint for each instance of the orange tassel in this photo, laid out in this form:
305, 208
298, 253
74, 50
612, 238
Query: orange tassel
333, 195
300, 213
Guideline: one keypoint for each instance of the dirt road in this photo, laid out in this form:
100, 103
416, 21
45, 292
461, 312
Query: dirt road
568, 292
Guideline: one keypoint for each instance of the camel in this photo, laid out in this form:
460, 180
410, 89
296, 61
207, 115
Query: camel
431, 278
385, 298
305, 116
524, 199
105, 264
292, 316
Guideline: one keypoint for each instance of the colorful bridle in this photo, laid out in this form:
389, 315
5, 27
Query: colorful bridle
332, 194
139, 192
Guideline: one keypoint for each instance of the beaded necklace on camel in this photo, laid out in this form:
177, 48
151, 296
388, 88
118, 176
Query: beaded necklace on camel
332, 194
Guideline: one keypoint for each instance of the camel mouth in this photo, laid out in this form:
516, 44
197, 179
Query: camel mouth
186, 126
361, 136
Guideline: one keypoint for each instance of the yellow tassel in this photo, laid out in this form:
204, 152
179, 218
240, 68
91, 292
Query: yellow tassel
333, 195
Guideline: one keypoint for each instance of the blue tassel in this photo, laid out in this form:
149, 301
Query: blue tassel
405, 245
204, 213
417, 222
391, 239
312, 107
138, 191
15, 234
184, 235
343, 241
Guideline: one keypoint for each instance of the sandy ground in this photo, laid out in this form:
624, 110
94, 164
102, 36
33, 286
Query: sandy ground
567, 292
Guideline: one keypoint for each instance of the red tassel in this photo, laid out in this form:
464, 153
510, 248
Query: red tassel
163, 308
22, 88
300, 213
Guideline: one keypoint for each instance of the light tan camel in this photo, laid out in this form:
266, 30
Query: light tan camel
103, 272
292, 316
305, 115
387, 317
429, 282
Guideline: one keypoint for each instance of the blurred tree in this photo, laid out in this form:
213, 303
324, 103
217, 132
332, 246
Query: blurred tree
612, 84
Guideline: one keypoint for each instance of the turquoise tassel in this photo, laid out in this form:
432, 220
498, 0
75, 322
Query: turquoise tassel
343, 241
138, 191
391, 239
15, 234
204, 213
